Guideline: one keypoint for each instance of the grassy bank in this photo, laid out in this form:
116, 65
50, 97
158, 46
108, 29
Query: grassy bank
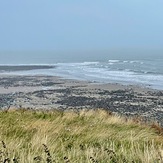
86, 136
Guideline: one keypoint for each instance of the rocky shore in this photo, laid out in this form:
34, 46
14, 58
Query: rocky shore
46, 92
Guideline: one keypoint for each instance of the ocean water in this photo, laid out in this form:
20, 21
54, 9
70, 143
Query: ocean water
146, 71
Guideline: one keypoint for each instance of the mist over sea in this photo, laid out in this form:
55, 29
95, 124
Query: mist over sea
106, 67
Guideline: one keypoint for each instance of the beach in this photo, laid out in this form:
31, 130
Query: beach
50, 92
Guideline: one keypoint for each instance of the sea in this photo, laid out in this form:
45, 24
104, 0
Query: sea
144, 70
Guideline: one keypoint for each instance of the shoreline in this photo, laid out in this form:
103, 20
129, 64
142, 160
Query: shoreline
13, 68
86, 71
49, 92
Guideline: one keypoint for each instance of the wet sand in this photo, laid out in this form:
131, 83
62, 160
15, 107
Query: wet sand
47, 92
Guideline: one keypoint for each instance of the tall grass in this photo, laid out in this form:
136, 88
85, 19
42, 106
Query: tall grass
87, 136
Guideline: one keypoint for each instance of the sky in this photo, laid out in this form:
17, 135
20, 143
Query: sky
62, 25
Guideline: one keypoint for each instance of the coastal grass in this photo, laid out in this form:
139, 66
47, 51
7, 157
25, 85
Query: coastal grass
86, 136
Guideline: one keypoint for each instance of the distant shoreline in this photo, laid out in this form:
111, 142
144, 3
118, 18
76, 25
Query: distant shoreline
12, 68
141, 73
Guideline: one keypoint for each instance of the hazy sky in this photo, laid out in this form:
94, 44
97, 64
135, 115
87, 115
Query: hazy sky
85, 24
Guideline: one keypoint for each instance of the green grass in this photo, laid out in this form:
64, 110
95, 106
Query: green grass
77, 137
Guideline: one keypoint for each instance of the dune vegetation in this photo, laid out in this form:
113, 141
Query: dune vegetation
86, 136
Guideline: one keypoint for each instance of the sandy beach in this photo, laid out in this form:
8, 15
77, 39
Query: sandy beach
47, 92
